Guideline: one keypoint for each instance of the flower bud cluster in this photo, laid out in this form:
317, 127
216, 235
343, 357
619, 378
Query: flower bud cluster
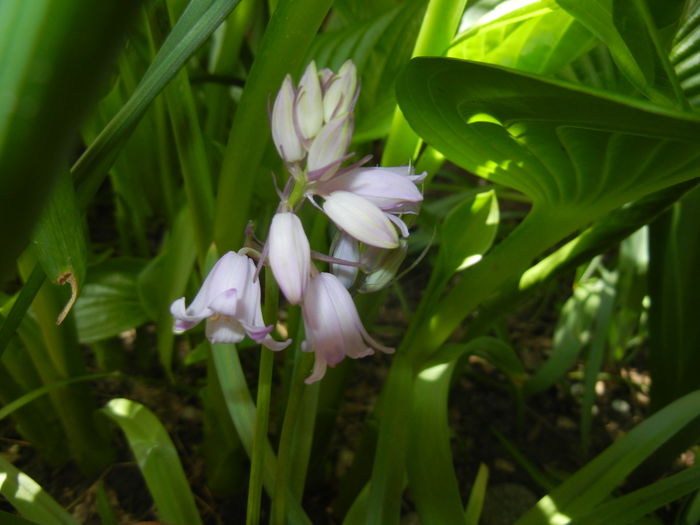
312, 125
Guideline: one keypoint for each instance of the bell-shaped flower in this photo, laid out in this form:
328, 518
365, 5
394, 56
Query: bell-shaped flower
308, 109
333, 326
345, 248
339, 97
284, 131
290, 255
328, 150
229, 300
361, 219
392, 190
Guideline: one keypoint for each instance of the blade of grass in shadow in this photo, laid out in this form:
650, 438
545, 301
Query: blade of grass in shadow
197, 23
11, 407
29, 498
158, 461
633, 506
472, 513
598, 478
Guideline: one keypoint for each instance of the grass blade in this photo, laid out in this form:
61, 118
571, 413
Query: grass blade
158, 460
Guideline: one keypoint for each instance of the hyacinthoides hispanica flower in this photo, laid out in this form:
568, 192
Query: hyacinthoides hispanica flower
312, 125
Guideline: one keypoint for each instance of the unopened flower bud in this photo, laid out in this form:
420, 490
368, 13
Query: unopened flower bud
328, 149
339, 98
309, 104
284, 133
290, 255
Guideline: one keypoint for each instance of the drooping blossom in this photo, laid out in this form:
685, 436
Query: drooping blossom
229, 300
290, 255
333, 326
358, 199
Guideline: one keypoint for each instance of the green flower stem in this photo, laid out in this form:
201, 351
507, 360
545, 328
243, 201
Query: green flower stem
287, 37
262, 412
284, 453
440, 23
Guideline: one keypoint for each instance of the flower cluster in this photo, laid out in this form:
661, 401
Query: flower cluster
312, 125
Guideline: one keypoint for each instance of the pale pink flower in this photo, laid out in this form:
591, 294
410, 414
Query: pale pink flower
361, 219
290, 255
333, 326
284, 133
229, 300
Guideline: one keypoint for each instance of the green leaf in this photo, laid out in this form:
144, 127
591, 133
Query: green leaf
595, 481
53, 57
472, 514
565, 146
60, 242
9, 408
11, 519
379, 47
538, 37
27, 496
110, 303
287, 38
432, 479
627, 28
196, 24
468, 232
158, 461
632, 507
685, 55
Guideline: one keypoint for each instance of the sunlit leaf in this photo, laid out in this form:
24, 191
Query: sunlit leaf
158, 461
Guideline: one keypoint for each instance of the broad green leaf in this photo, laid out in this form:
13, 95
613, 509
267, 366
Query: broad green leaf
627, 28
468, 232
110, 303
53, 57
158, 461
539, 37
631, 507
60, 242
29, 498
565, 146
196, 24
597, 479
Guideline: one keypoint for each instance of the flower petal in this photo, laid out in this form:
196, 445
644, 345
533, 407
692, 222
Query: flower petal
328, 149
224, 329
361, 219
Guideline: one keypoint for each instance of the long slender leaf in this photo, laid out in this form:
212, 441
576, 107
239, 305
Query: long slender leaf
27, 496
158, 460
594, 482
196, 24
